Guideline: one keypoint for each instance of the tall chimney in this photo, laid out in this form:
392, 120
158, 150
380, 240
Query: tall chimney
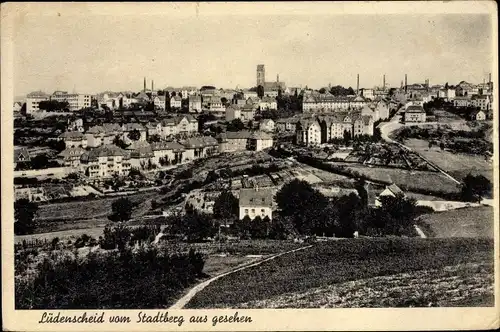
383, 83
489, 78
406, 82
357, 86
152, 85
144, 90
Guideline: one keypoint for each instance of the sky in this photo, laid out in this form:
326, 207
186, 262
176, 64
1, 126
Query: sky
94, 53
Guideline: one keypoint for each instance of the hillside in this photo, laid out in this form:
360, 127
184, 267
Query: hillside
377, 272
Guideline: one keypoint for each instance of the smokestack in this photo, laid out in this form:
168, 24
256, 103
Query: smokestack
489, 78
406, 82
152, 85
357, 86
383, 83
144, 90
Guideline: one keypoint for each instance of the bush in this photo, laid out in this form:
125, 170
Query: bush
148, 279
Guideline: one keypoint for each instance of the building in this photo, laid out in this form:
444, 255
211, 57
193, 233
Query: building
74, 139
17, 107
159, 102
461, 101
268, 86
268, 103
141, 155
127, 128
105, 161
328, 103
255, 202
182, 124
483, 102
175, 102
308, 132
167, 152
249, 94
478, 116
391, 190
21, 157
195, 104
288, 124
414, 113
76, 101
232, 113
200, 147
244, 140
217, 106
259, 141
75, 124
103, 135
70, 157
33, 100
324, 128
368, 93
267, 125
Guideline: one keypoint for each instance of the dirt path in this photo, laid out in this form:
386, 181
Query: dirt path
193, 291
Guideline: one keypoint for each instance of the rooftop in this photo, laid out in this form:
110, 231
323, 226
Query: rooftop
256, 197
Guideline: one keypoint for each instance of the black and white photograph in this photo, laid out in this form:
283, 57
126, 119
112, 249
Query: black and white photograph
252, 158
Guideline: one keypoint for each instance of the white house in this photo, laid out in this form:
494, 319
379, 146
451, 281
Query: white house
255, 202
391, 190
175, 102
267, 125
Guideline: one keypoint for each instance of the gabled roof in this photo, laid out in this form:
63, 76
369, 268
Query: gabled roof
174, 146
103, 151
71, 135
256, 197
200, 142
71, 152
176, 98
21, 155
395, 189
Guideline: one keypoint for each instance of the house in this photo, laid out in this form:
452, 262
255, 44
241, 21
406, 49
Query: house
200, 147
175, 102
367, 93
182, 124
383, 110
249, 94
259, 140
103, 135
483, 102
217, 106
17, 107
267, 125
308, 132
130, 127
392, 190
70, 157
232, 141
21, 157
268, 103
247, 113
159, 102
167, 152
75, 124
232, 113
255, 202
33, 100
195, 104
478, 115
414, 113
288, 124
74, 139
462, 101
153, 128
141, 155
105, 161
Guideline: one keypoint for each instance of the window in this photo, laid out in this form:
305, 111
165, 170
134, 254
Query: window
246, 211
253, 210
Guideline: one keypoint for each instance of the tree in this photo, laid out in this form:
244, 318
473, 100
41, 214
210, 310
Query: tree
322, 90
235, 125
377, 134
226, 206
441, 146
134, 135
40, 161
24, 214
431, 142
362, 193
474, 188
154, 138
119, 142
298, 200
347, 136
397, 214
122, 210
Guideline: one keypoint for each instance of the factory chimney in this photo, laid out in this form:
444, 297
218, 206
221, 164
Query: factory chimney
152, 85
144, 90
383, 83
357, 86
406, 82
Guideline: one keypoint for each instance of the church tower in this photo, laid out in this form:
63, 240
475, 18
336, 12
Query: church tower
261, 75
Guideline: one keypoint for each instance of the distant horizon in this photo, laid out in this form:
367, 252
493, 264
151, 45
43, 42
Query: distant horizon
91, 53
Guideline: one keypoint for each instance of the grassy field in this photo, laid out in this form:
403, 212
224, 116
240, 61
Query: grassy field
466, 222
361, 260
457, 164
407, 178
